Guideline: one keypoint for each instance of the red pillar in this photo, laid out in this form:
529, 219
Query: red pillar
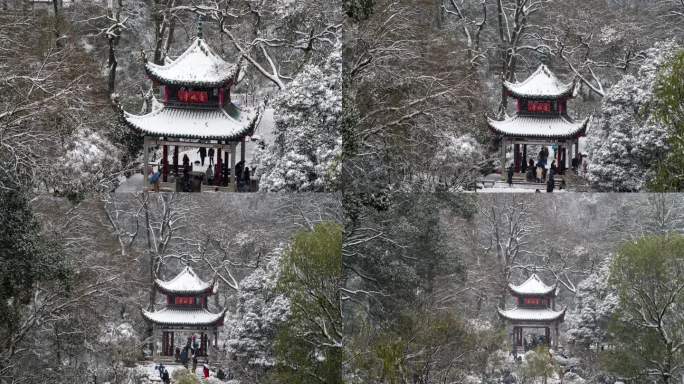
516, 157
230, 171
165, 159
558, 155
175, 160
217, 173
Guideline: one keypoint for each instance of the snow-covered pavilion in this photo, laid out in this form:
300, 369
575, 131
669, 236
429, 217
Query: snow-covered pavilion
541, 118
186, 311
535, 309
195, 111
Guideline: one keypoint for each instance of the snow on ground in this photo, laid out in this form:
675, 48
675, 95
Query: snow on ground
130, 185
150, 371
263, 132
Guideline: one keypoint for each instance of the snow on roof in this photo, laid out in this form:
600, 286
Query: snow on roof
186, 281
193, 123
556, 126
532, 286
197, 66
531, 314
176, 316
542, 83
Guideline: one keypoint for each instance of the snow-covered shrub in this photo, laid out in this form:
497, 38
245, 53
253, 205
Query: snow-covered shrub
595, 303
457, 161
184, 376
573, 378
123, 342
305, 153
625, 140
89, 163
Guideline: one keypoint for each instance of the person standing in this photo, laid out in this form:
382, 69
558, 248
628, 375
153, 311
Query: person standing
205, 371
203, 153
154, 179
165, 378
184, 356
211, 156
554, 169
210, 175
540, 173
509, 178
530, 176
186, 162
248, 180
238, 169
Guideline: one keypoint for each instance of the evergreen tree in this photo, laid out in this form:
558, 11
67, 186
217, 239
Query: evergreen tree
669, 109
309, 345
26, 261
647, 331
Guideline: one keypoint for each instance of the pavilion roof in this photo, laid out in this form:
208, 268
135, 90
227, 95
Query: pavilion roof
541, 84
198, 66
194, 123
533, 286
178, 316
186, 282
535, 126
532, 314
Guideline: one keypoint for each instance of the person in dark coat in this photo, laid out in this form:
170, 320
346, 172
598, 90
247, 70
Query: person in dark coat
203, 153
247, 178
509, 178
184, 356
530, 174
239, 167
186, 180
211, 156
550, 184
186, 162
554, 169
575, 163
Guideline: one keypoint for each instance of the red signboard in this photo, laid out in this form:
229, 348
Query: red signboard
193, 96
184, 300
539, 106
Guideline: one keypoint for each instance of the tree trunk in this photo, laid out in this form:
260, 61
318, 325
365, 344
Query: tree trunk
149, 331
112, 64
55, 7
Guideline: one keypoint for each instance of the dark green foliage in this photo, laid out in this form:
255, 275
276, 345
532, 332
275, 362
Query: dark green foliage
309, 346
647, 331
669, 109
358, 9
26, 260
426, 344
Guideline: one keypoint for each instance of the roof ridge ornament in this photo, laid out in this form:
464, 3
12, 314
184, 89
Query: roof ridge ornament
200, 20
